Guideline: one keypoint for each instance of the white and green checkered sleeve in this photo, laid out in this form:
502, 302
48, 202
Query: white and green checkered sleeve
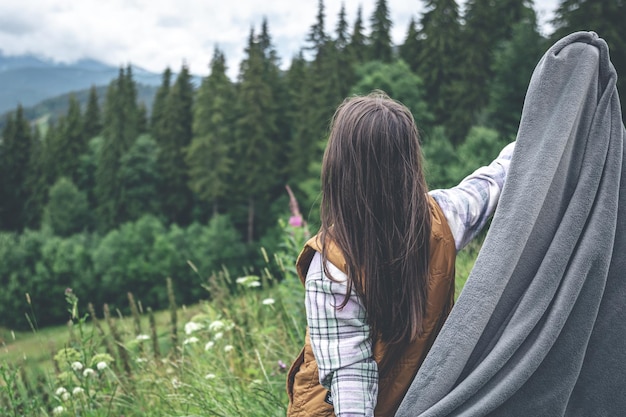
341, 343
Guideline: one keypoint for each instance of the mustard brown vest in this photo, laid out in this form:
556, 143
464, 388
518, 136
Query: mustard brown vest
307, 397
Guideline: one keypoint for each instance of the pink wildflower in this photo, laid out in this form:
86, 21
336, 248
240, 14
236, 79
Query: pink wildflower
295, 221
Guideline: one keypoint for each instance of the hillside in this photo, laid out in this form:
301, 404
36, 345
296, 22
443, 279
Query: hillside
50, 109
43, 87
28, 80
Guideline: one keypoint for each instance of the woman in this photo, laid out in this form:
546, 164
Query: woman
379, 275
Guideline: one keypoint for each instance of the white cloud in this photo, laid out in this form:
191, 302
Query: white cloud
155, 34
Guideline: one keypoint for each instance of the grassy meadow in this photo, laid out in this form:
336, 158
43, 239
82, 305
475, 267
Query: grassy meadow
227, 356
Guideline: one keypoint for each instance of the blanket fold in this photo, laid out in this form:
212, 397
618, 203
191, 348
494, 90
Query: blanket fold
540, 327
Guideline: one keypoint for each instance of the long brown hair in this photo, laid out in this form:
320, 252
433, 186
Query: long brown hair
374, 208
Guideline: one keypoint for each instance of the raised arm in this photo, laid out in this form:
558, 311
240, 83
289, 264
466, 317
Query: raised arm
469, 205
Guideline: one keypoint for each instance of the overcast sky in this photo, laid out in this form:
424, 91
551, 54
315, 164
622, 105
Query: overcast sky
154, 34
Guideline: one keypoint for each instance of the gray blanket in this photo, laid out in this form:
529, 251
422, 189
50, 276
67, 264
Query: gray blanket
540, 327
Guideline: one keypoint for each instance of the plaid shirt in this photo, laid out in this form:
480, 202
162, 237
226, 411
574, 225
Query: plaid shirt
340, 338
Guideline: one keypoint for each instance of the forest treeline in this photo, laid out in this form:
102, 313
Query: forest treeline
110, 199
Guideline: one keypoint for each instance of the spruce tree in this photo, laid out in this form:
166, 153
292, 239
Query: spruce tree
323, 82
606, 18
49, 153
513, 64
176, 197
274, 77
380, 45
120, 130
358, 40
157, 118
345, 62
487, 22
142, 118
317, 36
139, 178
321, 92
255, 149
87, 169
301, 147
36, 182
409, 51
15, 154
209, 155
70, 142
437, 57
92, 119
55, 143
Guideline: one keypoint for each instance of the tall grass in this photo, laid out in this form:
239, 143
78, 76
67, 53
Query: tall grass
224, 357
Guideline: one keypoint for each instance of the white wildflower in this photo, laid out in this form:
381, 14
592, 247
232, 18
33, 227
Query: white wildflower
77, 366
176, 383
191, 327
218, 335
209, 376
249, 281
58, 410
88, 372
66, 396
228, 348
209, 345
102, 366
60, 391
216, 325
141, 360
268, 301
78, 391
142, 337
192, 339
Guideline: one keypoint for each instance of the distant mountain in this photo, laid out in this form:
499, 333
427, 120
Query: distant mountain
28, 80
43, 87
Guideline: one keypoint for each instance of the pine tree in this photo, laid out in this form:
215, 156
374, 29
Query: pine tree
301, 147
358, 41
317, 36
157, 118
55, 142
120, 130
319, 95
49, 153
487, 22
70, 142
175, 194
209, 155
15, 154
36, 182
256, 128
87, 169
92, 119
513, 65
437, 57
380, 45
275, 79
606, 18
345, 62
139, 178
142, 118
409, 51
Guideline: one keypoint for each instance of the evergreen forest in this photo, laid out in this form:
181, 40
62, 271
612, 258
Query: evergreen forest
110, 198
